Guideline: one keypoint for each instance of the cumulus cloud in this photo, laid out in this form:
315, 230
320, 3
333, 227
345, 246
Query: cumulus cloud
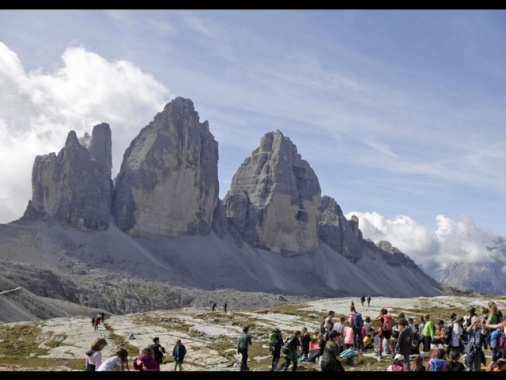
451, 242
37, 110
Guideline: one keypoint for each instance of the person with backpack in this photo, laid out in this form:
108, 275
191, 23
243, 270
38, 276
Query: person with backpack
275, 343
158, 350
385, 331
243, 343
356, 322
439, 362
291, 351
404, 341
497, 340
474, 347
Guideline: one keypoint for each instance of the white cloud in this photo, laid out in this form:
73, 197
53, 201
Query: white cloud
453, 240
38, 110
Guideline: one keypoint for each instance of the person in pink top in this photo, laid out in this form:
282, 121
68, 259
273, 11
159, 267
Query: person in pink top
146, 362
349, 336
397, 365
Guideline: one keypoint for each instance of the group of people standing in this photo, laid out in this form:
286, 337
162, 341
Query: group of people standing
149, 360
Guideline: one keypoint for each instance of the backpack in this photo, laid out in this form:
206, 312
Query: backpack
437, 365
388, 322
358, 322
274, 341
447, 331
497, 340
286, 346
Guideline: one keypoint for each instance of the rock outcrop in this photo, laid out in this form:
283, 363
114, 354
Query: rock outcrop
274, 196
75, 186
339, 233
168, 181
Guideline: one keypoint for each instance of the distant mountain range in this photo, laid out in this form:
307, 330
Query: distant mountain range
161, 220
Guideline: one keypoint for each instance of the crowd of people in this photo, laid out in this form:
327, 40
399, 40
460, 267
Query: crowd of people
149, 360
457, 344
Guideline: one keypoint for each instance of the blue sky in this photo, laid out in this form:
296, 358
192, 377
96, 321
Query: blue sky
400, 113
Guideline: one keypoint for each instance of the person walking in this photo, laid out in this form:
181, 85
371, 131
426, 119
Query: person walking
368, 300
158, 350
213, 309
225, 307
178, 353
275, 343
292, 352
94, 355
362, 300
243, 344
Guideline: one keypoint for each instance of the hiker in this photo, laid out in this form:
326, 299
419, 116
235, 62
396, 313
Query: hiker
118, 362
213, 307
225, 307
275, 343
93, 320
158, 350
331, 361
97, 321
439, 362
455, 344
291, 351
94, 356
362, 300
316, 346
146, 362
404, 341
356, 323
454, 365
339, 327
397, 365
474, 347
178, 353
305, 338
368, 300
429, 330
385, 331
243, 344
440, 338
417, 364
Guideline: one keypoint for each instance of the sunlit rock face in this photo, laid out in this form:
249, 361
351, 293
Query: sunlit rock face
274, 196
168, 180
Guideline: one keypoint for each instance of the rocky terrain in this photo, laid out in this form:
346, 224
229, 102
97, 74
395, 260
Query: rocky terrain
58, 344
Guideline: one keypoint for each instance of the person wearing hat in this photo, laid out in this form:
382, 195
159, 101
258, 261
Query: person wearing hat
397, 365
331, 361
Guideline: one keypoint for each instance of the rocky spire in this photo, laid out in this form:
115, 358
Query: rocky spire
274, 196
75, 186
168, 181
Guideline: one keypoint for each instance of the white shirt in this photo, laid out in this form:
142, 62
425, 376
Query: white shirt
110, 364
95, 359
456, 333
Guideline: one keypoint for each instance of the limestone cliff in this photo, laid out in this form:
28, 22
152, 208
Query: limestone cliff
274, 196
75, 186
168, 181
